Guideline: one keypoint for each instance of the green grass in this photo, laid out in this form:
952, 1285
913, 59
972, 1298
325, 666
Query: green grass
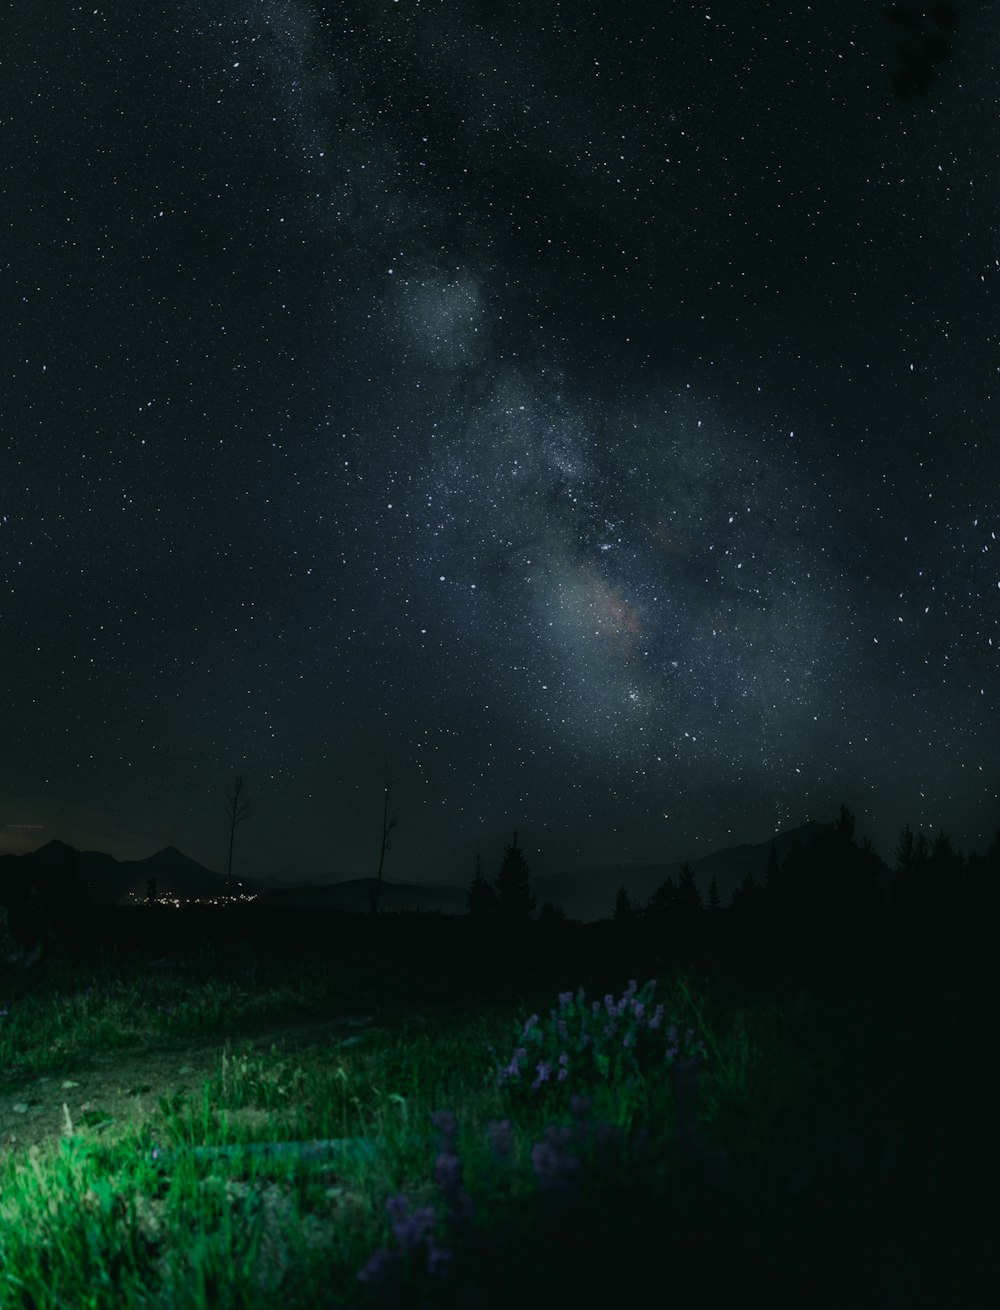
165, 1206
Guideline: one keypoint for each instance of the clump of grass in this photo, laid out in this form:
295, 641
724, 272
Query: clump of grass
612, 1170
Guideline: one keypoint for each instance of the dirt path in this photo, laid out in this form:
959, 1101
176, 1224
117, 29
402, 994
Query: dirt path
112, 1088
107, 1090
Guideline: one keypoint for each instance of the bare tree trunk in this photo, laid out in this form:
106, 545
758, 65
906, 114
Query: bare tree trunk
387, 827
237, 813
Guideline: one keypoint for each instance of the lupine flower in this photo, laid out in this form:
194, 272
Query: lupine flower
446, 1124
543, 1072
409, 1229
608, 1039
554, 1166
448, 1167
438, 1260
499, 1132
379, 1268
579, 1107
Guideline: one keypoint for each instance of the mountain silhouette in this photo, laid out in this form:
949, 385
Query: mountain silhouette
589, 894
99, 878
583, 894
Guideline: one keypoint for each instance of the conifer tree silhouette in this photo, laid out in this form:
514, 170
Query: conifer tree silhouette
833, 878
624, 909
664, 902
714, 904
551, 915
480, 898
910, 882
747, 899
688, 896
515, 901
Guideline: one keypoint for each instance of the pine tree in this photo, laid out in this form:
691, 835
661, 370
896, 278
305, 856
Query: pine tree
713, 896
688, 895
551, 915
663, 902
480, 898
910, 884
746, 899
624, 909
515, 901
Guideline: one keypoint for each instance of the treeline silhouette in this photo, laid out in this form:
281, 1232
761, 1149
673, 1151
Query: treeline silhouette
835, 876
840, 877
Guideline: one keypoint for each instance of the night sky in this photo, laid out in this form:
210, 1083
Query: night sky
583, 415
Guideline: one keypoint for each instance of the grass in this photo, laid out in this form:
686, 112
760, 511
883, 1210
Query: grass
768, 1143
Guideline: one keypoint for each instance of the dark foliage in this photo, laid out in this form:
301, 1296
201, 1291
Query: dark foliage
624, 909
663, 904
515, 901
481, 897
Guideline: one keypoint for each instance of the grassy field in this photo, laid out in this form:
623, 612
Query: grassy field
207, 1110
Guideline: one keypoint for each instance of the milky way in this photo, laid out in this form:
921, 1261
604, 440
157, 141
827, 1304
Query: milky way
583, 421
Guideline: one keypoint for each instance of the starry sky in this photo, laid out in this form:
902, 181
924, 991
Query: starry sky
580, 416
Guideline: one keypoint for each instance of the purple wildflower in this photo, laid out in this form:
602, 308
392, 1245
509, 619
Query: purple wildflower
565, 1000
543, 1072
499, 1132
555, 1168
448, 1171
579, 1108
438, 1260
448, 1168
409, 1229
380, 1268
446, 1123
